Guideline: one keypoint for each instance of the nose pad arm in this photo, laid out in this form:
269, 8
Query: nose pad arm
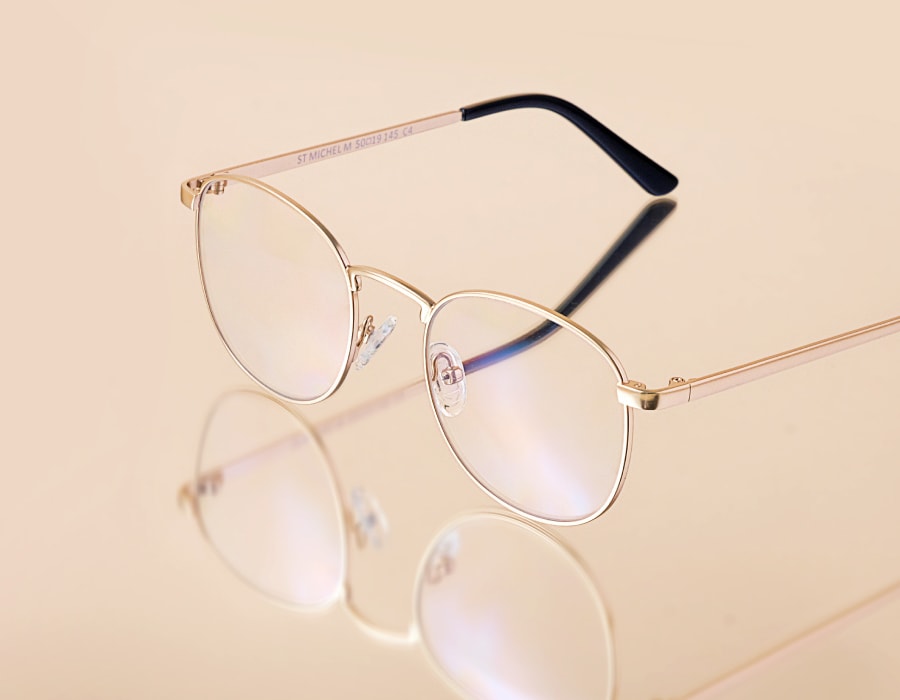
373, 338
447, 378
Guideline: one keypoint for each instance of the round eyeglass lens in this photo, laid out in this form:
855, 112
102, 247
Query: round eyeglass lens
528, 406
267, 501
506, 612
277, 289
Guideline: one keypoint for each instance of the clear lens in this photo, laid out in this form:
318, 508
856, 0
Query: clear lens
528, 405
506, 613
267, 501
277, 289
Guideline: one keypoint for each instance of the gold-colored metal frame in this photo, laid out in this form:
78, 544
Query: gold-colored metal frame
632, 394
584, 335
188, 495
208, 188
353, 275
680, 391
191, 188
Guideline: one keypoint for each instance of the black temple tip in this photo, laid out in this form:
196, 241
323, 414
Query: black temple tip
654, 178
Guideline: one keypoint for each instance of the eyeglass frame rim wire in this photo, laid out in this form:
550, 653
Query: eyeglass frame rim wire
353, 275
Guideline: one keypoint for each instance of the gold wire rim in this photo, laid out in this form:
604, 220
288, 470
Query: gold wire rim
586, 336
336, 250
429, 308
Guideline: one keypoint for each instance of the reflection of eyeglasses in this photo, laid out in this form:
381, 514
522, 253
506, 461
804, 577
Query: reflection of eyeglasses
494, 596
541, 419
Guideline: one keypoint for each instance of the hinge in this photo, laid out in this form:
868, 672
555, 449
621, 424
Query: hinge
637, 395
190, 190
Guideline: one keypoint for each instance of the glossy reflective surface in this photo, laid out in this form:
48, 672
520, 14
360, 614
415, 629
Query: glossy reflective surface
266, 497
745, 519
496, 602
499, 606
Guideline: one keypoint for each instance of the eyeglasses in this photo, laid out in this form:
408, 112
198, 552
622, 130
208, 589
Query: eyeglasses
536, 408
268, 499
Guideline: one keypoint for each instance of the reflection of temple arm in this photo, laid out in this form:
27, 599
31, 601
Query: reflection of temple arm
645, 224
210, 481
796, 644
648, 174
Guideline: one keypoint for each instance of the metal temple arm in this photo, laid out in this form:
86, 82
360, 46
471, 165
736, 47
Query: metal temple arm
679, 390
646, 172
190, 189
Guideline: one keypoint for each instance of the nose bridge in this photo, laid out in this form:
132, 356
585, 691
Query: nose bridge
425, 302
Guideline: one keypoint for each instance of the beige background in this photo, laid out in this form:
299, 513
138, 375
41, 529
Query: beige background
746, 519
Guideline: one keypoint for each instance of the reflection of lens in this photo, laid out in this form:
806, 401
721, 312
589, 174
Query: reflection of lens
506, 612
276, 287
532, 411
267, 501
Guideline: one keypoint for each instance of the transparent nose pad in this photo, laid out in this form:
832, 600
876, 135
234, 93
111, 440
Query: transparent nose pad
369, 522
443, 558
447, 378
373, 338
